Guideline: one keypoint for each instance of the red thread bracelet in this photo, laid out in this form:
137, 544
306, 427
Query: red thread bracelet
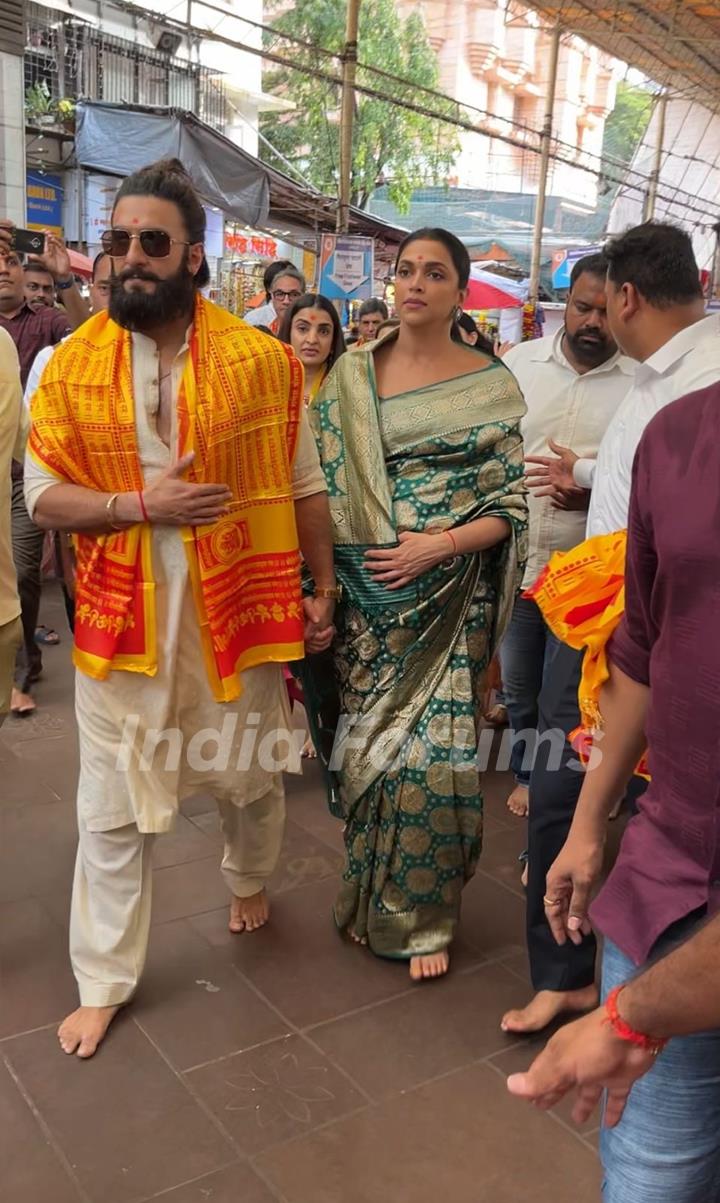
651, 1044
451, 537
142, 506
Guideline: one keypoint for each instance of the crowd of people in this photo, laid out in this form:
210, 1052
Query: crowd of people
255, 502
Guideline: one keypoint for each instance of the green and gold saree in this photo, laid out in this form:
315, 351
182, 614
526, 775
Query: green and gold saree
409, 665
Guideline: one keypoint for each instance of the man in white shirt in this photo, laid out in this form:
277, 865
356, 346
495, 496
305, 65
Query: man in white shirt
656, 314
270, 314
573, 383
99, 300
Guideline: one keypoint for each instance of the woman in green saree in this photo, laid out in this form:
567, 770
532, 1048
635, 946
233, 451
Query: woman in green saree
420, 444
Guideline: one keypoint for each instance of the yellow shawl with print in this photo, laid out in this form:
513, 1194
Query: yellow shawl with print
239, 405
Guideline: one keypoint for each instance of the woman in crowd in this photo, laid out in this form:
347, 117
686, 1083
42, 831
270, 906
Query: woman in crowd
312, 328
420, 444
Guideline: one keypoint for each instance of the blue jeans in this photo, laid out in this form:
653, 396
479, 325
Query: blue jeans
666, 1148
525, 654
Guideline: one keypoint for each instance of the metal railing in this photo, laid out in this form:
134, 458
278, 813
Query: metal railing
67, 58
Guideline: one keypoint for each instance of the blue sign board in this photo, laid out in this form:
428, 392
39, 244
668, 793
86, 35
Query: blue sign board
44, 202
346, 267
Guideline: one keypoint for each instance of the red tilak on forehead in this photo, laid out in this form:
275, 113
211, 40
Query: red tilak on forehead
135, 221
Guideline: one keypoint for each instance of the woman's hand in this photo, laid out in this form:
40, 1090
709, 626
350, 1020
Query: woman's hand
415, 554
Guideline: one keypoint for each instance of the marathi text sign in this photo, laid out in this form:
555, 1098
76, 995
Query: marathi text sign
346, 267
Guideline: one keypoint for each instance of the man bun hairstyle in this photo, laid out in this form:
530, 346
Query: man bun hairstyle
168, 180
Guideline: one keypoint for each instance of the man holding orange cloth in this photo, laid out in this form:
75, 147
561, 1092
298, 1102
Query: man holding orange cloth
169, 437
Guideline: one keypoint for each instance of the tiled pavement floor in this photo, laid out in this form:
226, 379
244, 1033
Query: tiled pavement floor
285, 1065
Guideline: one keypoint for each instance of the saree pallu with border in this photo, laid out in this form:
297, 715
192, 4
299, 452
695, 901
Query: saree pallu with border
405, 679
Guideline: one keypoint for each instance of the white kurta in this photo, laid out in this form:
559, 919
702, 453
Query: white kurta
207, 746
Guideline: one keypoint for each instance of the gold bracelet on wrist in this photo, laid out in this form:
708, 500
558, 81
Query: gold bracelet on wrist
112, 517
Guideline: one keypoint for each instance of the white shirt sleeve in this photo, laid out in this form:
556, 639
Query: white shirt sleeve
40, 362
584, 473
36, 480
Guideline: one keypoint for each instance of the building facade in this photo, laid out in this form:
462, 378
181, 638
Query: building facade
494, 56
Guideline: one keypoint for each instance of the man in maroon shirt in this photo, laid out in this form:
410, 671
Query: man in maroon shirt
663, 692
31, 330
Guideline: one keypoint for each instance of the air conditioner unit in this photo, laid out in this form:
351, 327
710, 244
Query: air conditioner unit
167, 42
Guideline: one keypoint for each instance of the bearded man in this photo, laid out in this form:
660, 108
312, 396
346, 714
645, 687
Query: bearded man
171, 438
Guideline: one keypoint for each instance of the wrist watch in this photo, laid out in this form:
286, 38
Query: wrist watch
65, 284
334, 594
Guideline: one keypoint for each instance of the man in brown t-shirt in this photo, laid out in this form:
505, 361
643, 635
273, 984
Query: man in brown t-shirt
31, 330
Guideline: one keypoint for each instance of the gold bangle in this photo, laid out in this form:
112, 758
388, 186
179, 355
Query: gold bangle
110, 507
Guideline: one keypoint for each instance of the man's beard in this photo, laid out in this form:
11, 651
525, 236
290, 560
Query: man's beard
591, 351
174, 297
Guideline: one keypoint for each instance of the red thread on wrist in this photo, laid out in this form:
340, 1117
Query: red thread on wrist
142, 506
651, 1044
451, 537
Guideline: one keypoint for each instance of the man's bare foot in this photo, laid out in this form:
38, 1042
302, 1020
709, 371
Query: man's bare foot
309, 751
84, 1030
497, 715
431, 966
546, 1006
517, 803
21, 704
248, 914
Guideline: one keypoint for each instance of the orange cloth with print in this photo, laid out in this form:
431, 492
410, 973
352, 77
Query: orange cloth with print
581, 595
238, 410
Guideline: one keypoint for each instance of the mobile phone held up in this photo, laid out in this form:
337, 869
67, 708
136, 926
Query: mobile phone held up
27, 242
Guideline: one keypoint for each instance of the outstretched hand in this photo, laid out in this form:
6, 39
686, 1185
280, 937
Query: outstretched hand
548, 472
587, 1057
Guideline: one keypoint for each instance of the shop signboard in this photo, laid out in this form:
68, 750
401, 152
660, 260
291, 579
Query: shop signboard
246, 244
44, 202
346, 267
564, 261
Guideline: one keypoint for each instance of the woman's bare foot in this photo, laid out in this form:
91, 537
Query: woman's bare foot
356, 939
248, 914
546, 1006
517, 803
431, 966
84, 1031
21, 704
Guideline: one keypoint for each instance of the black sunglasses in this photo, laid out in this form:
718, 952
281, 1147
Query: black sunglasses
156, 244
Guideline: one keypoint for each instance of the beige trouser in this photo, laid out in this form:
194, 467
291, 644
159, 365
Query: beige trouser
10, 640
112, 892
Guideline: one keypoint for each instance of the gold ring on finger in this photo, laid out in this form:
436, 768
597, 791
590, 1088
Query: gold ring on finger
552, 901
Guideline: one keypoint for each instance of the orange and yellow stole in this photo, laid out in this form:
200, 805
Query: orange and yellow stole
239, 406
581, 595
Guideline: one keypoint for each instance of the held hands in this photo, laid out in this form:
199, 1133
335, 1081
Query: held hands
568, 887
586, 1056
415, 554
549, 473
319, 629
172, 501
